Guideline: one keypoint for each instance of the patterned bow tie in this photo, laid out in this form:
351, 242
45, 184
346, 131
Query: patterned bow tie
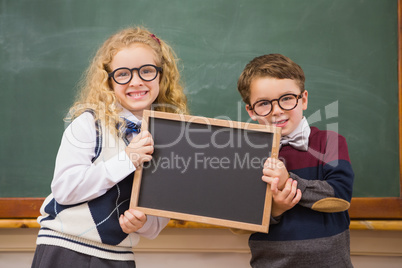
297, 142
132, 127
298, 139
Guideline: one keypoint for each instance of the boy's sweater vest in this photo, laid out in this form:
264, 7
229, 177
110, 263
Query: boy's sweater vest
92, 227
304, 237
327, 157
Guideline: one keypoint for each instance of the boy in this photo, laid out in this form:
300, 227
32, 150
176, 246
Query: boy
311, 183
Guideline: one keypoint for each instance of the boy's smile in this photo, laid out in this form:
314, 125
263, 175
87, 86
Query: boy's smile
267, 88
280, 123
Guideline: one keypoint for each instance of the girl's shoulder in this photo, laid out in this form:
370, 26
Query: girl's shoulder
87, 118
84, 124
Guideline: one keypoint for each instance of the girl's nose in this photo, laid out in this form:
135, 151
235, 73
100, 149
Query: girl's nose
136, 80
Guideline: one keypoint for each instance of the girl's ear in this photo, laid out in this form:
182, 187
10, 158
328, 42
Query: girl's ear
251, 112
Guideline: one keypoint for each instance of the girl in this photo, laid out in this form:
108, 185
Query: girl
86, 221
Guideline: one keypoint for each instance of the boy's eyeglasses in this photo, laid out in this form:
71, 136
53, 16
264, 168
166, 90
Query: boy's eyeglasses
286, 102
124, 75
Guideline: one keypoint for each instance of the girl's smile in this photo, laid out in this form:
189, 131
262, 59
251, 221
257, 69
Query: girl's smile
137, 95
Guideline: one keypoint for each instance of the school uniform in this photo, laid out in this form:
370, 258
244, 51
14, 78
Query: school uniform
314, 233
91, 188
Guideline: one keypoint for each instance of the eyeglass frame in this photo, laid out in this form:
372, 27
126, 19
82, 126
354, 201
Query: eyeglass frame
298, 97
158, 70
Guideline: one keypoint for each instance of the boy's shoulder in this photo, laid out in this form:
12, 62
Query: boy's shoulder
320, 135
332, 144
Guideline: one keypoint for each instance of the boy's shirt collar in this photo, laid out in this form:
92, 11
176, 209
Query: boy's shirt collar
298, 139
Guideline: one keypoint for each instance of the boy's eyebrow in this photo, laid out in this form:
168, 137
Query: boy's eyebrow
284, 93
259, 99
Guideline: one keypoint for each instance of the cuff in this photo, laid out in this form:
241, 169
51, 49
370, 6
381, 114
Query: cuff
275, 220
300, 182
153, 226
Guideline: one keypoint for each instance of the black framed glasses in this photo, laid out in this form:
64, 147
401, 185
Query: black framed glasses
286, 102
124, 75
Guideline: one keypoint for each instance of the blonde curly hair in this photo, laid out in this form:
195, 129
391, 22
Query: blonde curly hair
96, 91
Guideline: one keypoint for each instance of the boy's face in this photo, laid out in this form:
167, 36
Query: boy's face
267, 88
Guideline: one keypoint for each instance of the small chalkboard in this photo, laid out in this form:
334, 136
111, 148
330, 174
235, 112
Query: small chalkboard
206, 170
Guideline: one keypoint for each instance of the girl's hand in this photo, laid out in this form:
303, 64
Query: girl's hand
285, 199
132, 220
140, 148
275, 168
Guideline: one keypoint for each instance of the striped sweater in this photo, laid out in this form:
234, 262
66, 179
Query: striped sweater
314, 233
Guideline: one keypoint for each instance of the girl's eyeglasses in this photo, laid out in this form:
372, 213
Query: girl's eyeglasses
124, 75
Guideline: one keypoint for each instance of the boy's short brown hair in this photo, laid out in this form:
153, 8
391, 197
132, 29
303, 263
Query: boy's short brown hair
271, 65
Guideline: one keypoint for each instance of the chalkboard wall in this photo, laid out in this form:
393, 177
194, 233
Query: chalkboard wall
347, 48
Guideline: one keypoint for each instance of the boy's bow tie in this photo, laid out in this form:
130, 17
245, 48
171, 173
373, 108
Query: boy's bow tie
298, 142
298, 139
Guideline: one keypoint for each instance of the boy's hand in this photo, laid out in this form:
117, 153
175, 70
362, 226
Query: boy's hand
132, 220
140, 148
275, 168
285, 199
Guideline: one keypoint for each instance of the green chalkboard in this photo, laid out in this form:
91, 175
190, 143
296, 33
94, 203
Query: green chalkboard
347, 48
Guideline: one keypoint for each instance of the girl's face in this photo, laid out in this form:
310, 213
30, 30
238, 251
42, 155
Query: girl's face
137, 95
267, 88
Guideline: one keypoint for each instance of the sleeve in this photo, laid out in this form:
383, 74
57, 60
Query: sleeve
153, 226
334, 192
76, 179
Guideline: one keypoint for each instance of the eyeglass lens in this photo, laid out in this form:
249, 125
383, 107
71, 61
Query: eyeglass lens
124, 75
286, 102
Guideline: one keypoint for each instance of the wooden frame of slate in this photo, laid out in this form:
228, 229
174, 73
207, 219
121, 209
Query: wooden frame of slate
206, 170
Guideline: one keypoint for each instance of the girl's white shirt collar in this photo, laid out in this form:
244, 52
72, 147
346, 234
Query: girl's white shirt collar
128, 115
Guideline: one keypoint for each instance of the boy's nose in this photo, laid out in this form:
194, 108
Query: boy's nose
276, 109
